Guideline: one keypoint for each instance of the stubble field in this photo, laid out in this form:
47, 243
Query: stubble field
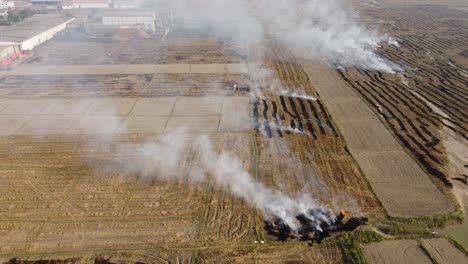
64, 197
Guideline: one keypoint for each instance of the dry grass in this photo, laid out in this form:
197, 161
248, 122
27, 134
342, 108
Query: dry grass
151, 51
144, 85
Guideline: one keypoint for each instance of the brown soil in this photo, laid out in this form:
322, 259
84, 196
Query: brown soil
396, 251
442, 251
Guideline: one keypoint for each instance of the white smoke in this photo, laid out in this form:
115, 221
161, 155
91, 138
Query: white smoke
162, 158
297, 95
312, 29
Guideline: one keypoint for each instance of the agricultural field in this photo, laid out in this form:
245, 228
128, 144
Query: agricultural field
122, 85
63, 199
426, 101
122, 212
81, 180
75, 205
397, 251
411, 251
171, 50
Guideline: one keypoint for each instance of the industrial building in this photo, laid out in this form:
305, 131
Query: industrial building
126, 4
90, 4
146, 19
33, 31
46, 4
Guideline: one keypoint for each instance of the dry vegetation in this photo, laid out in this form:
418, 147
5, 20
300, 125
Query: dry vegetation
63, 205
150, 51
59, 201
56, 203
300, 145
145, 85
55, 200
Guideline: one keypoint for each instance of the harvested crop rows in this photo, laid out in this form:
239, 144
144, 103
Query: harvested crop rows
299, 145
431, 93
145, 85
224, 217
280, 115
136, 52
283, 114
60, 201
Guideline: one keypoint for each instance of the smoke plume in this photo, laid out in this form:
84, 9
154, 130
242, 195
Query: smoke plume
313, 29
162, 158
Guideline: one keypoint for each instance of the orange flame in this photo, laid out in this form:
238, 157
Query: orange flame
343, 212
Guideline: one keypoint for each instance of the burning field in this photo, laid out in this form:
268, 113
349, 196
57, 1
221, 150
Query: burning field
248, 137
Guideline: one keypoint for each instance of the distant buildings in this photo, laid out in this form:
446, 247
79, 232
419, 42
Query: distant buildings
46, 4
33, 31
85, 4
126, 4
146, 19
74, 4
19, 38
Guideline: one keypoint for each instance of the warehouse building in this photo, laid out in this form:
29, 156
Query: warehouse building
46, 4
126, 4
90, 4
146, 19
33, 31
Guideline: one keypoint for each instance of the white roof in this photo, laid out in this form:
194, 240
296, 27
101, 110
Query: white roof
31, 27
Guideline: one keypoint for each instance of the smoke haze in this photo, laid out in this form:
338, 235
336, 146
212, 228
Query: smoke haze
320, 30
313, 29
161, 159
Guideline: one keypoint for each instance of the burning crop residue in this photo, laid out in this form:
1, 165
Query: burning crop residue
314, 226
299, 215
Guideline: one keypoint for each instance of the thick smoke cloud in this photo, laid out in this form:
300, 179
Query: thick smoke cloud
314, 29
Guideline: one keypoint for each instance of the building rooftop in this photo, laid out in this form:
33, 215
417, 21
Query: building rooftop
41, 1
85, 2
31, 27
124, 13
